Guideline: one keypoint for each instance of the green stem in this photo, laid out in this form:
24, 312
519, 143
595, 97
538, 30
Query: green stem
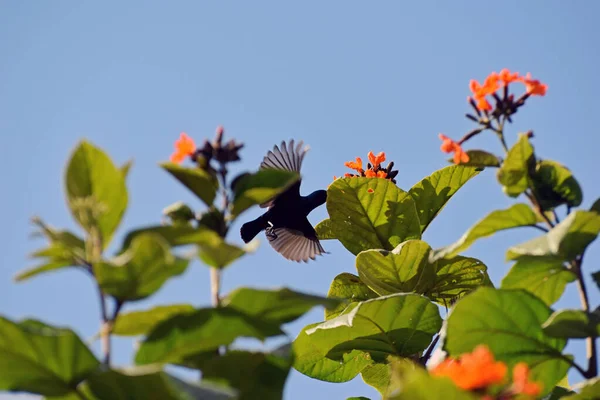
591, 349
215, 286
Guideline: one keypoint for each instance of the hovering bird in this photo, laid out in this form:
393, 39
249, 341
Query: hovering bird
285, 224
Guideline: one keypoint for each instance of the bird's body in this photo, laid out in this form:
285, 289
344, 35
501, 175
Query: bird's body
285, 223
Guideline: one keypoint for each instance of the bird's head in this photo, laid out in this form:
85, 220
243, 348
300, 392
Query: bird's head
317, 198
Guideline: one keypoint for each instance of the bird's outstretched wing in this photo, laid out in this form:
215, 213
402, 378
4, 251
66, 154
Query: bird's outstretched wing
289, 158
294, 244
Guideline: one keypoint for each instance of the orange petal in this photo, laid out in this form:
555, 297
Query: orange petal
376, 160
355, 165
370, 173
184, 146
177, 157
483, 104
381, 174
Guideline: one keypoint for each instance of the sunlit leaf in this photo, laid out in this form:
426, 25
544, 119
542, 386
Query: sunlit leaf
41, 359
96, 190
277, 306
203, 184
351, 289
565, 241
433, 192
324, 230
514, 173
371, 213
518, 215
260, 187
136, 323
588, 390
455, 277
509, 323
544, 277
572, 324
480, 158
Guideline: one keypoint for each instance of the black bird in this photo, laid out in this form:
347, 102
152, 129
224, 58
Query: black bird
288, 230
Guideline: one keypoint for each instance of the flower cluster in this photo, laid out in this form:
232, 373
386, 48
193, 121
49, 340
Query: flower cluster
222, 153
450, 146
478, 371
374, 168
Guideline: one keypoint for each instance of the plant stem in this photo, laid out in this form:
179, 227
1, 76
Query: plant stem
80, 394
592, 351
215, 286
429, 351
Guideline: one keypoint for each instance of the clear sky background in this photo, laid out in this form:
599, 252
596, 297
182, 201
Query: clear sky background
346, 77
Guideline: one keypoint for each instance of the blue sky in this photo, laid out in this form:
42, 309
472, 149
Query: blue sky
346, 77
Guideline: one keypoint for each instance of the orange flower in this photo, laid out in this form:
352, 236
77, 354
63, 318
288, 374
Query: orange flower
184, 147
533, 86
381, 174
370, 173
490, 85
450, 146
506, 77
520, 381
376, 160
474, 370
357, 166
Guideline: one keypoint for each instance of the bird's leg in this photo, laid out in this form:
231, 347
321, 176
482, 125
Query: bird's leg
270, 232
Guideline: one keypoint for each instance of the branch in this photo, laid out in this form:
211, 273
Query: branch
429, 351
592, 351
215, 286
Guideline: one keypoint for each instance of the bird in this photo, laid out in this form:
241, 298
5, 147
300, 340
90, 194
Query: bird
285, 222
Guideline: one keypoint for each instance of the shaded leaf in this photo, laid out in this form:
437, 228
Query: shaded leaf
179, 213
565, 241
546, 278
455, 277
96, 190
325, 230
41, 359
276, 306
350, 288
201, 183
480, 158
136, 323
553, 185
141, 270
588, 390
515, 216
509, 323
433, 192
371, 213
596, 278
205, 329
405, 269
514, 173
175, 235
596, 206
572, 324
215, 252
260, 187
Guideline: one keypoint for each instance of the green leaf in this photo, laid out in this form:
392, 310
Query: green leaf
41, 359
311, 360
371, 213
324, 230
149, 383
515, 216
42, 268
254, 375
179, 213
136, 323
358, 398
514, 173
405, 269
572, 324
558, 392
378, 376
260, 187
565, 241
175, 235
596, 206
480, 158
456, 277
125, 168
509, 323
554, 184
203, 184
141, 270
433, 192
275, 306
205, 329
588, 390
215, 252
546, 278
96, 190
350, 288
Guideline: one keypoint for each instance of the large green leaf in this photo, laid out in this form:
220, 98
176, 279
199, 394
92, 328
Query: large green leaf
405, 269
351, 289
554, 184
588, 390
514, 173
515, 216
96, 190
544, 277
371, 213
276, 306
203, 184
175, 235
565, 241
455, 277
254, 375
41, 359
186, 334
260, 187
433, 192
136, 323
379, 376
311, 360
324, 230
216, 252
141, 270
480, 158
573, 324
509, 323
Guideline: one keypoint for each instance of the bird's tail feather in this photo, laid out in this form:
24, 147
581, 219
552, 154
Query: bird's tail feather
250, 229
